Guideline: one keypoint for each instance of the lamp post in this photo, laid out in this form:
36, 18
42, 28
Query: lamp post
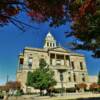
61, 71
61, 79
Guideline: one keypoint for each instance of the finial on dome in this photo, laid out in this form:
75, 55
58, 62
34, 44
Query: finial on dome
49, 34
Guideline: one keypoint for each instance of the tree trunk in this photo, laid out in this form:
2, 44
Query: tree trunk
49, 92
41, 92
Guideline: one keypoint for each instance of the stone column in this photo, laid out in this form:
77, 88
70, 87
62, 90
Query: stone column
64, 60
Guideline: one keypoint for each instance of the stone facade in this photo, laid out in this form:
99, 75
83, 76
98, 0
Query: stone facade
66, 64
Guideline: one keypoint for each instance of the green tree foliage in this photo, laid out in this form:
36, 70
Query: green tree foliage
41, 78
42, 64
29, 78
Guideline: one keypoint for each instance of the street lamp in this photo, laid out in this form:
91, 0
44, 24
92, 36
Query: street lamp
61, 71
61, 79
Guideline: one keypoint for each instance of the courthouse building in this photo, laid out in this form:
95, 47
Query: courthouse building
66, 64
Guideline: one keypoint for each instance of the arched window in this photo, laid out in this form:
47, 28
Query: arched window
50, 44
53, 44
47, 43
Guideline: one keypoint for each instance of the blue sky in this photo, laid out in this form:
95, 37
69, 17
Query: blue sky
13, 41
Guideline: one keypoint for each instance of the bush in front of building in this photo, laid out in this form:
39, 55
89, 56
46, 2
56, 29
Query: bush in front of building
58, 90
94, 87
19, 92
1, 95
70, 90
65, 90
81, 87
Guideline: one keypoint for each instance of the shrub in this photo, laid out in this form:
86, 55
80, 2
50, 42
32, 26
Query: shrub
58, 90
69, 90
94, 87
1, 95
19, 93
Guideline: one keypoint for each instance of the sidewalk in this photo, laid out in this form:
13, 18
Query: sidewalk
65, 97
70, 96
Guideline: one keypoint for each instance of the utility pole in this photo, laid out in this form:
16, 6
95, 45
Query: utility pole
7, 79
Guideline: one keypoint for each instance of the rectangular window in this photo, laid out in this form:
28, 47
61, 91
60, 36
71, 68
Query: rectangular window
60, 56
47, 43
81, 65
74, 77
53, 45
50, 44
21, 61
52, 55
72, 63
61, 76
67, 57
83, 79
69, 78
30, 62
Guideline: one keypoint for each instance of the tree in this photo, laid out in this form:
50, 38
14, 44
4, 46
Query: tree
41, 78
38, 10
84, 16
85, 27
81, 86
13, 85
8, 8
94, 87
